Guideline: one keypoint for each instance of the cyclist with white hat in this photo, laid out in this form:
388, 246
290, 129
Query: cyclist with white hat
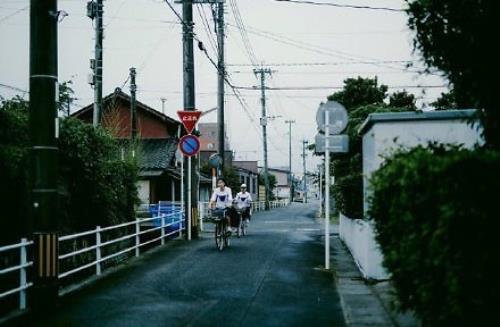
244, 200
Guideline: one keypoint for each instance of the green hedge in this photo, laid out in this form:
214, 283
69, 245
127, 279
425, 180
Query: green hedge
96, 186
437, 222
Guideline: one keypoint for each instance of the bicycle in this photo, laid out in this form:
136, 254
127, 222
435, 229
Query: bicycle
222, 237
242, 226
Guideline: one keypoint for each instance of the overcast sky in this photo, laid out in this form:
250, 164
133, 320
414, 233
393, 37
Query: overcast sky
307, 46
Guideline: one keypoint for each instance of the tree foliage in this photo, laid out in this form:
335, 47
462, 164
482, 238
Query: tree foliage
457, 37
347, 168
360, 92
95, 186
403, 99
446, 101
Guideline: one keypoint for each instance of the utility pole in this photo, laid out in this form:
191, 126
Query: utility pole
304, 155
133, 109
221, 68
43, 121
191, 207
263, 122
290, 177
95, 11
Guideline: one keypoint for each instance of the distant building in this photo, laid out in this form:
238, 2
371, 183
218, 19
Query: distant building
283, 182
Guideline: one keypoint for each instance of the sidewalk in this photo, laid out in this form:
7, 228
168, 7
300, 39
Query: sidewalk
363, 304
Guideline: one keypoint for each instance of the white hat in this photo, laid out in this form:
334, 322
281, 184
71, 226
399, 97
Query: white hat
243, 185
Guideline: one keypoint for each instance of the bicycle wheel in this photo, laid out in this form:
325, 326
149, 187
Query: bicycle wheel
219, 236
243, 228
227, 235
240, 226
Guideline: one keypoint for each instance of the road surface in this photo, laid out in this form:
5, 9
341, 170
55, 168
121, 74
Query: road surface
268, 278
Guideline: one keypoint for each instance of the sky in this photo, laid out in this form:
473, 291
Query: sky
310, 49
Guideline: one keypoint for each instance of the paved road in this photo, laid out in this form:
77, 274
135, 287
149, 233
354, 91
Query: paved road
268, 278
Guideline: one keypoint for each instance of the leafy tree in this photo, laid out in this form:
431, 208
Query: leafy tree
457, 37
66, 97
402, 99
360, 92
14, 142
272, 184
445, 101
95, 185
362, 97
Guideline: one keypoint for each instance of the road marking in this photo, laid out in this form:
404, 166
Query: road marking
308, 229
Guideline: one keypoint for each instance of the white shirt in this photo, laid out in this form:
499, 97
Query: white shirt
222, 199
243, 200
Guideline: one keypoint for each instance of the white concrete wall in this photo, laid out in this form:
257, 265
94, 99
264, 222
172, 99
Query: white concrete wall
359, 237
378, 142
143, 190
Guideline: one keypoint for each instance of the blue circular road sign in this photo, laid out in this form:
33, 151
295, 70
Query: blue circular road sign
189, 145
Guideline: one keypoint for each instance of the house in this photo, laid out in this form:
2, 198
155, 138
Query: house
283, 182
157, 137
386, 132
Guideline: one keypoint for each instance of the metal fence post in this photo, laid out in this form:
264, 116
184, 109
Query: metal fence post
22, 274
201, 210
98, 250
137, 238
162, 240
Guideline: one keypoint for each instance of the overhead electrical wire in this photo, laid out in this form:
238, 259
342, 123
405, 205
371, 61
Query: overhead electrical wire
4, 18
226, 78
319, 49
307, 88
338, 5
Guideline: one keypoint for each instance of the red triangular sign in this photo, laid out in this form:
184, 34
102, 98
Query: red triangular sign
189, 119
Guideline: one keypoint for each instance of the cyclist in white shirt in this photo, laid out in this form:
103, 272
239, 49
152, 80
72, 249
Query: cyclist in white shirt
244, 200
222, 199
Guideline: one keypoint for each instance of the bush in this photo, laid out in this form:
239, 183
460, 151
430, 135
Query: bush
96, 186
436, 216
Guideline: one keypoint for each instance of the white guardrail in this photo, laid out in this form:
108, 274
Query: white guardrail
173, 222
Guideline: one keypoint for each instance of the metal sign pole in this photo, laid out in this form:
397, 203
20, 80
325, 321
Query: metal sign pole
327, 191
189, 200
320, 191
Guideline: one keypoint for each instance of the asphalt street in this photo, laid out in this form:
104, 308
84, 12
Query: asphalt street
269, 278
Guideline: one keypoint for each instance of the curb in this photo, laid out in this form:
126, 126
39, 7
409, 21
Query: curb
361, 306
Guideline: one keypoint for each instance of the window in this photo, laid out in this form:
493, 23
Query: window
210, 146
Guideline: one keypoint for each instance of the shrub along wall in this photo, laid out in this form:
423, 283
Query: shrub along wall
96, 186
437, 222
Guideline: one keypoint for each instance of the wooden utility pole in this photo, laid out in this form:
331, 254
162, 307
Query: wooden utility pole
261, 72
43, 121
191, 207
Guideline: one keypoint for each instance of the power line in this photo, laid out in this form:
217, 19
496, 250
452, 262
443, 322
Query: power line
4, 18
316, 48
342, 5
243, 32
307, 88
337, 63
226, 78
14, 88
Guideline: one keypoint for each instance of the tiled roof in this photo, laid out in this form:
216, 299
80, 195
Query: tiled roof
157, 154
